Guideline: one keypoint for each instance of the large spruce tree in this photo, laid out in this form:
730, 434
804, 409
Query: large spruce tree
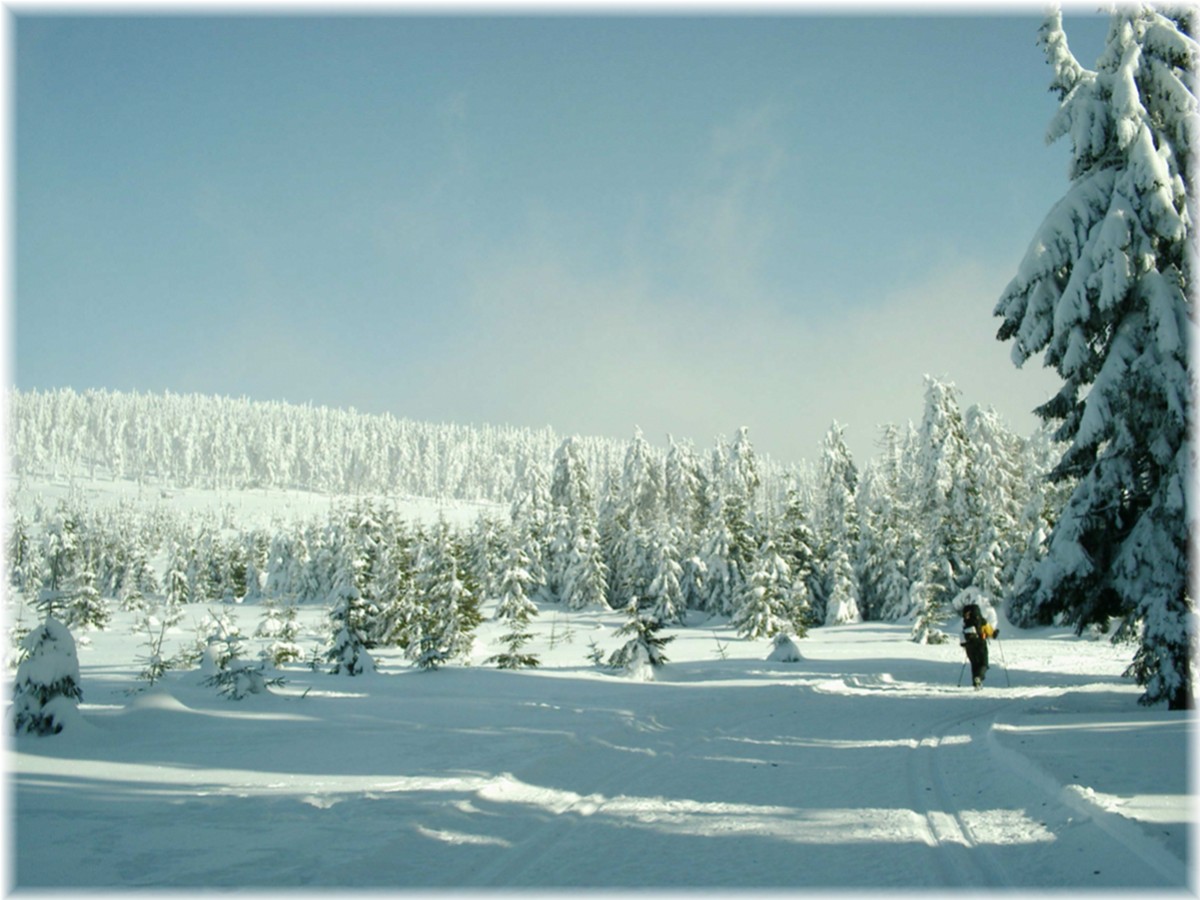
1104, 292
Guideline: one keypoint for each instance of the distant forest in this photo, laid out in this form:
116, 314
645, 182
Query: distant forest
956, 503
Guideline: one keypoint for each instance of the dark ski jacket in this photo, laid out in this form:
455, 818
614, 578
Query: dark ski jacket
975, 626
977, 632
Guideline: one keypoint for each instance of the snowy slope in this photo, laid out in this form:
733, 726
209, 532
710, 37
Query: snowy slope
863, 766
248, 509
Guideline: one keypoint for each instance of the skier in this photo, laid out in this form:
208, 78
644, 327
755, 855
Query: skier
976, 631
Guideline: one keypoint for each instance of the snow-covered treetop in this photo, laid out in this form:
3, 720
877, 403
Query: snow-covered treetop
1120, 234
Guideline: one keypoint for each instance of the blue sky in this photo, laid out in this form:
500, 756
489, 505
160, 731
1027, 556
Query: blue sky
682, 223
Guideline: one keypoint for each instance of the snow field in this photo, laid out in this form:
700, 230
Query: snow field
862, 766
245, 508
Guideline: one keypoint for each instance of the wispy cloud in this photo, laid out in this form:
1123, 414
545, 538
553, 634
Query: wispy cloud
550, 340
723, 222
551, 346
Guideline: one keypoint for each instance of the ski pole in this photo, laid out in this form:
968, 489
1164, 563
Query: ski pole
1000, 646
960, 674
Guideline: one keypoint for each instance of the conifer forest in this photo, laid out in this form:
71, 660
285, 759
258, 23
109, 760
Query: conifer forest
954, 503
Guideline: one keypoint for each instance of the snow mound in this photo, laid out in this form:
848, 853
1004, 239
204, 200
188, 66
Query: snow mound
785, 650
157, 700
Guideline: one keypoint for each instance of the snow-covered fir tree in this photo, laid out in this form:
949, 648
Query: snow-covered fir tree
254, 573
317, 558
24, 563
61, 553
486, 546
721, 583
797, 544
224, 666
837, 532
350, 616
367, 531
693, 577
1104, 293
281, 566
142, 580
577, 571
450, 612
642, 482
585, 575
929, 601
742, 473
571, 481
634, 515
176, 583
683, 486
610, 529
770, 603
996, 494
728, 554
46, 688
643, 652
886, 545
282, 631
83, 606
1044, 499
629, 557
401, 611
202, 587
533, 520
664, 594
517, 610
347, 649
943, 513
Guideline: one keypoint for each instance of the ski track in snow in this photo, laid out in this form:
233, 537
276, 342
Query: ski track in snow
962, 861
854, 768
